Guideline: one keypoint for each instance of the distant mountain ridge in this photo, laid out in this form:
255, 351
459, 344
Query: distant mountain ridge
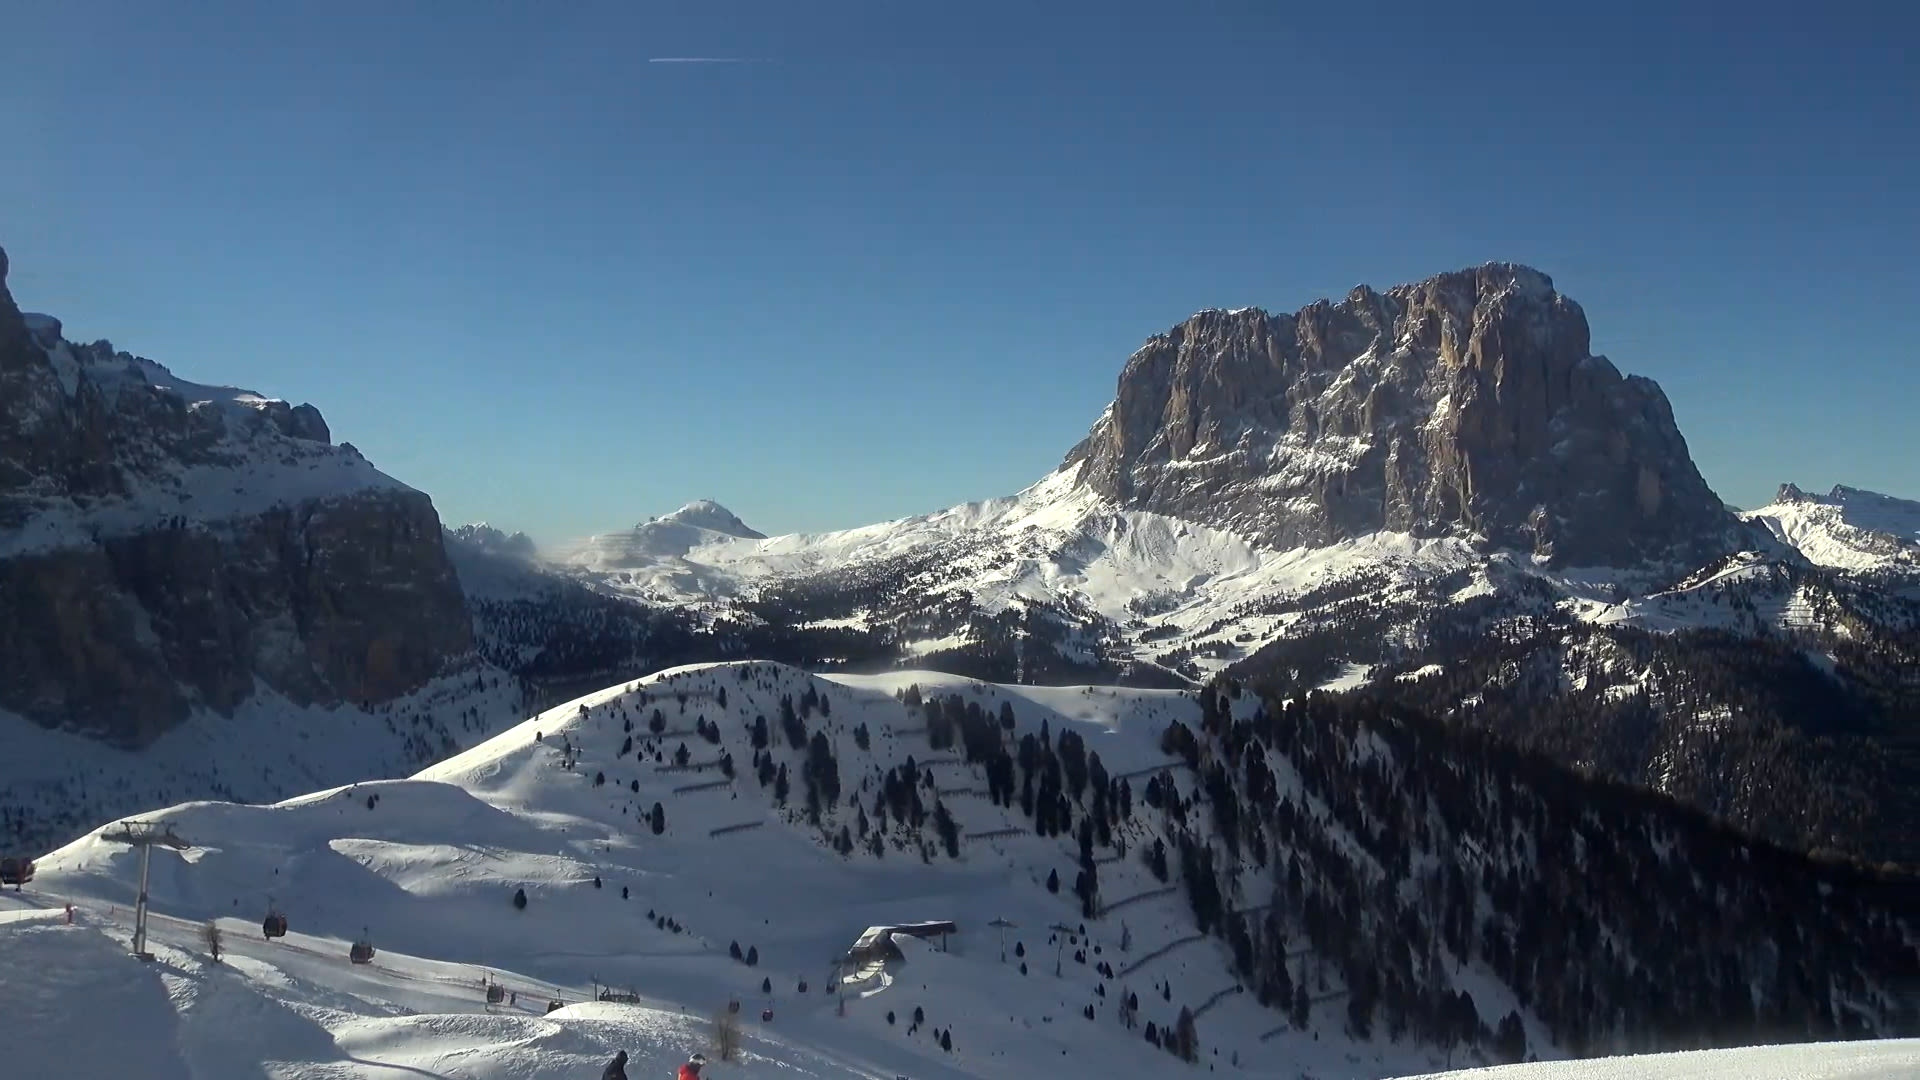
484, 536
1848, 528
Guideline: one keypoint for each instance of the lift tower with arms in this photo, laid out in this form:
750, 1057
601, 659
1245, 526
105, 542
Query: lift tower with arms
143, 835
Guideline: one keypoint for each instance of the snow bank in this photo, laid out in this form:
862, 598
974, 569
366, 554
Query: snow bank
1891, 1059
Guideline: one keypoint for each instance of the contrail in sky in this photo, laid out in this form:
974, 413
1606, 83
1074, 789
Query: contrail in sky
702, 60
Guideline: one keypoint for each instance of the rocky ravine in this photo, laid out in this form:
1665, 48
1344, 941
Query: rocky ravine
165, 546
1467, 404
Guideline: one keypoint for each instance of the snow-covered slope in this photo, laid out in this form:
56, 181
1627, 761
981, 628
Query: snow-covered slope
429, 867
1886, 1059
293, 1010
57, 784
647, 850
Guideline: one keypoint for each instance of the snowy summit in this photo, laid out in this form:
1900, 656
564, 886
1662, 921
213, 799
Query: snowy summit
668, 539
711, 516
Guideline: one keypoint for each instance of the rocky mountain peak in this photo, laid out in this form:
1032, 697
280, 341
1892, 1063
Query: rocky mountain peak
1466, 404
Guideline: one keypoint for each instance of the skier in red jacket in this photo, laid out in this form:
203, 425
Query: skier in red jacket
691, 1070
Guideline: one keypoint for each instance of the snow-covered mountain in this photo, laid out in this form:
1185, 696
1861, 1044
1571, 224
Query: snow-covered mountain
1848, 529
655, 559
1393, 483
696, 524
1314, 891
1454, 431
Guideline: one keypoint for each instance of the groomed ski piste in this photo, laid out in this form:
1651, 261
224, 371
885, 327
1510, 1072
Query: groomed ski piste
427, 870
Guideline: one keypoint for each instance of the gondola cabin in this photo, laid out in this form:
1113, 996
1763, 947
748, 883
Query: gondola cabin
16, 870
274, 925
496, 993
362, 952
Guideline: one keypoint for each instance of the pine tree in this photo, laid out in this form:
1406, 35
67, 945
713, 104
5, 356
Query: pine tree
949, 831
790, 723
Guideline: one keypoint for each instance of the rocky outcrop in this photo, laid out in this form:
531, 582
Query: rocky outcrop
166, 546
1467, 404
484, 537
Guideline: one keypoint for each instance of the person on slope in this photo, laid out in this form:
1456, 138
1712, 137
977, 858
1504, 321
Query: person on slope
691, 1070
617, 1068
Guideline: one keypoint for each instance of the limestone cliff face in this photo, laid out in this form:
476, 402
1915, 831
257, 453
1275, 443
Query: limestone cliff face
1467, 404
165, 545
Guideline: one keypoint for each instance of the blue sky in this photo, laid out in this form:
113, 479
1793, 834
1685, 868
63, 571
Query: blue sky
898, 263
